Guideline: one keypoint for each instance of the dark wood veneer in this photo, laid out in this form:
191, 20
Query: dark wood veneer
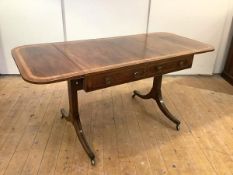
47, 63
101, 63
228, 69
136, 72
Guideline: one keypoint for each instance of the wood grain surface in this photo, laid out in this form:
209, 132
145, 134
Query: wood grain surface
47, 63
130, 137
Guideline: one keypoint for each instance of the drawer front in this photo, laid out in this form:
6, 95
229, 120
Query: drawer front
115, 77
179, 63
103, 80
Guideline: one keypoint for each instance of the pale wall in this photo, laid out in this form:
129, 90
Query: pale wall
27, 22
203, 20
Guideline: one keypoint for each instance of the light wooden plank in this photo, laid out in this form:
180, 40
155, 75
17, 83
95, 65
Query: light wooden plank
38, 147
97, 132
16, 124
203, 129
27, 139
10, 94
128, 136
127, 165
110, 143
49, 160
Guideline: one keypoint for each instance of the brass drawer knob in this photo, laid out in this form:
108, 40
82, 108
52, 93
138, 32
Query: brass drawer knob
108, 81
159, 68
181, 63
136, 74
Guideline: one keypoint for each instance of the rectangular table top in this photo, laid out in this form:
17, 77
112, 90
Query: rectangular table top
52, 62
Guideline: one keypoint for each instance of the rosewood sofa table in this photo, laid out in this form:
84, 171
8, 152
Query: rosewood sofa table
99, 63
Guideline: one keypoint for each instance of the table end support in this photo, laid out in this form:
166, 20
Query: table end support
156, 94
73, 117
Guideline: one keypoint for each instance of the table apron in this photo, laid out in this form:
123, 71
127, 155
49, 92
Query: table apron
136, 72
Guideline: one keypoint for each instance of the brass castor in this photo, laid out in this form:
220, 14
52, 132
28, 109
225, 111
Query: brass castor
178, 127
93, 162
134, 94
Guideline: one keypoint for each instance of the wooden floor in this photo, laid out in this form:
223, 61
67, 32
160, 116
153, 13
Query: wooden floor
129, 136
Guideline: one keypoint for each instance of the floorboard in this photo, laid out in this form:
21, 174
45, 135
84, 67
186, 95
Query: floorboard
129, 136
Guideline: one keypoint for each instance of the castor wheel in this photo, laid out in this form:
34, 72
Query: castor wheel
93, 162
178, 127
62, 113
134, 94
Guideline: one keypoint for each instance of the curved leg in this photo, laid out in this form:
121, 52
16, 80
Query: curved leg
156, 94
73, 117
136, 93
166, 112
65, 115
82, 139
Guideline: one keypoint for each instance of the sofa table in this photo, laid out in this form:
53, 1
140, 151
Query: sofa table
100, 63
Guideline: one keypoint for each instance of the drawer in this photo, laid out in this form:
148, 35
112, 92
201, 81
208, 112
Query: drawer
123, 75
107, 79
177, 64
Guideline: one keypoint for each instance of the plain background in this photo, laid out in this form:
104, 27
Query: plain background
40, 21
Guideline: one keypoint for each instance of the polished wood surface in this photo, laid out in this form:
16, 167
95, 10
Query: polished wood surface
130, 136
135, 72
46, 63
228, 69
100, 63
